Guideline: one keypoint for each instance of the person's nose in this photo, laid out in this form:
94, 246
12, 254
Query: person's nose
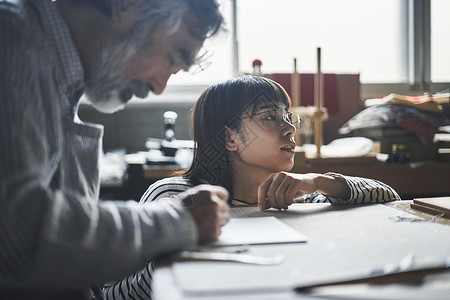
161, 80
288, 129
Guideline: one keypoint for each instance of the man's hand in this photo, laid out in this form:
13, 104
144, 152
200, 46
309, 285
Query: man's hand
208, 206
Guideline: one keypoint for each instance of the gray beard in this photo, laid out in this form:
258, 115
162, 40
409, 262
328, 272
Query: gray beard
104, 88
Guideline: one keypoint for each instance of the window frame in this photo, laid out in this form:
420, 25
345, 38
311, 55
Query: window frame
419, 54
418, 68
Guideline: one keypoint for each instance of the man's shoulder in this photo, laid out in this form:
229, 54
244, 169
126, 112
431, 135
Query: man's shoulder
11, 4
13, 7
19, 17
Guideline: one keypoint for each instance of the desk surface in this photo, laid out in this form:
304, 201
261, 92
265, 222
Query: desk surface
342, 241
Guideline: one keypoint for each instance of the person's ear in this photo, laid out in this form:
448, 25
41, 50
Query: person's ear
230, 140
124, 10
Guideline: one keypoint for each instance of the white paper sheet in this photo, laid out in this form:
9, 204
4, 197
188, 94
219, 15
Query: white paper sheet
260, 230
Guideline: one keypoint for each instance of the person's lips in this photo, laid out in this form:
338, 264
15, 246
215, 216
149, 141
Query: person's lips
142, 92
289, 148
138, 89
125, 95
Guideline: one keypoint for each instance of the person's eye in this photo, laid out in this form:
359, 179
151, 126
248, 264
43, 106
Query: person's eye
181, 59
175, 60
270, 117
171, 60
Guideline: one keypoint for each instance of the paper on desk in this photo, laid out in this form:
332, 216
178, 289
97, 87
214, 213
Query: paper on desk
343, 241
261, 230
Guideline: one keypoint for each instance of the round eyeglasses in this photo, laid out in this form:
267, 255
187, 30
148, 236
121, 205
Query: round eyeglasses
201, 62
281, 116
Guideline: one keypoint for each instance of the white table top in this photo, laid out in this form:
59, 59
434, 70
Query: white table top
343, 242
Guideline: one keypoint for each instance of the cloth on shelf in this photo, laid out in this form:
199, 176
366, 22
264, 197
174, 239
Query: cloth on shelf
397, 117
427, 102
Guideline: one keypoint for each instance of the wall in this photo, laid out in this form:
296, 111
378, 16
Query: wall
129, 128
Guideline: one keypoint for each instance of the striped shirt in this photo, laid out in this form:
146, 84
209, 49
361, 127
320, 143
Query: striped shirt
56, 238
363, 191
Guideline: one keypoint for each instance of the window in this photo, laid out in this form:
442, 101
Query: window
440, 42
395, 45
221, 48
356, 36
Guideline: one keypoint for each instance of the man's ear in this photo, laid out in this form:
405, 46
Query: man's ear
121, 10
230, 140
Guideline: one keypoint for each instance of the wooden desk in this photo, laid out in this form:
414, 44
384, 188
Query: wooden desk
342, 241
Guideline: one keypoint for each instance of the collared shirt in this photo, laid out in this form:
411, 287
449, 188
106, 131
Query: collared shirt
56, 238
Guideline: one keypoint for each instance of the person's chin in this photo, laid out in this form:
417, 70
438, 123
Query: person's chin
287, 165
109, 108
112, 104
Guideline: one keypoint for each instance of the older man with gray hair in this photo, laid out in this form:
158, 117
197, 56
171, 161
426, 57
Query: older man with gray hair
57, 240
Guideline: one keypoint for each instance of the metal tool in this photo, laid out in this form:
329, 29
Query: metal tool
230, 257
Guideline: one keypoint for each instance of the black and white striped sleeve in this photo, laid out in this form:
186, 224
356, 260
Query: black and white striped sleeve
139, 284
365, 191
135, 286
165, 188
362, 191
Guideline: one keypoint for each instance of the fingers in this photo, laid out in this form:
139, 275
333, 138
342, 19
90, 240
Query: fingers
209, 209
263, 201
191, 196
278, 191
282, 196
223, 210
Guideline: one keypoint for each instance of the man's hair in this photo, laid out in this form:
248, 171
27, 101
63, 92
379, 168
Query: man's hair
172, 11
207, 11
102, 5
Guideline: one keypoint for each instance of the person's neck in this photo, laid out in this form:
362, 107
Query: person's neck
246, 183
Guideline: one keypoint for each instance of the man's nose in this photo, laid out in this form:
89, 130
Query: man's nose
162, 80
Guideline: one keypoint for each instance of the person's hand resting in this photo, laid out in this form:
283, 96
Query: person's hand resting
280, 189
209, 208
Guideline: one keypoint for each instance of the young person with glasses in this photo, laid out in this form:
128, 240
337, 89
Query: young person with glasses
244, 136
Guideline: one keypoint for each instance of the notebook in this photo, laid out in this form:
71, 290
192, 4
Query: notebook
259, 230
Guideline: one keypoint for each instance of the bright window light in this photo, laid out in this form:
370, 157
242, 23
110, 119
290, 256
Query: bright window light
356, 36
440, 42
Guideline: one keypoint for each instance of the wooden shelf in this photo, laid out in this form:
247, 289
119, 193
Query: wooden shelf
415, 179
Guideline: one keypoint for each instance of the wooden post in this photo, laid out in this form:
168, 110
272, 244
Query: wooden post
318, 103
295, 97
295, 86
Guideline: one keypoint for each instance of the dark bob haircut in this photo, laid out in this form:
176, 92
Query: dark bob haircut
223, 105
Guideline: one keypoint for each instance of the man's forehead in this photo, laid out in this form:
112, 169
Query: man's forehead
190, 41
